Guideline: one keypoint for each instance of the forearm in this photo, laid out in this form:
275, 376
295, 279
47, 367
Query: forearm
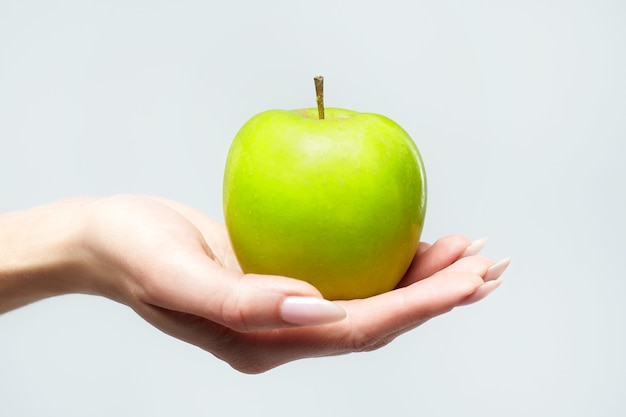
40, 253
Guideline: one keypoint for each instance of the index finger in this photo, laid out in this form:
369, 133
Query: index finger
430, 259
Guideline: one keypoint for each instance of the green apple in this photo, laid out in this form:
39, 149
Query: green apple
337, 201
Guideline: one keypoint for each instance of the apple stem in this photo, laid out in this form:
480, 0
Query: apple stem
319, 92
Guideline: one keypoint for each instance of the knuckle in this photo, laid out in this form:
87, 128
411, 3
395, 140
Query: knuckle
234, 315
369, 344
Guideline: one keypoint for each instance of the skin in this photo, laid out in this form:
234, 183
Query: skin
175, 267
338, 202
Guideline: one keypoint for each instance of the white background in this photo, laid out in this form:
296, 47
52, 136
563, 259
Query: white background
518, 108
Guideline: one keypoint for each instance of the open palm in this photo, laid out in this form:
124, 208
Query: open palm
175, 267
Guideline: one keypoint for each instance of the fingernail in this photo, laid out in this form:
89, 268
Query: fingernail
310, 311
482, 292
475, 247
496, 270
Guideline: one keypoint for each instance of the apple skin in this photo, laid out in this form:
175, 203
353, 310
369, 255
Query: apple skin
338, 202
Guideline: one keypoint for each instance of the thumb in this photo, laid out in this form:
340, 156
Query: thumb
242, 302
256, 302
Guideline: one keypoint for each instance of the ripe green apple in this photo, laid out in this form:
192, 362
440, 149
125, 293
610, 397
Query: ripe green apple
338, 202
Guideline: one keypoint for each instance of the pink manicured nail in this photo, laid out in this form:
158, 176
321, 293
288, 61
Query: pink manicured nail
482, 292
475, 247
310, 311
496, 270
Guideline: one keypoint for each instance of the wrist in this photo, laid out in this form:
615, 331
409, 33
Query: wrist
40, 253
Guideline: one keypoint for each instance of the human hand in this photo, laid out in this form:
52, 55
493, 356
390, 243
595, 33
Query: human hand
175, 267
